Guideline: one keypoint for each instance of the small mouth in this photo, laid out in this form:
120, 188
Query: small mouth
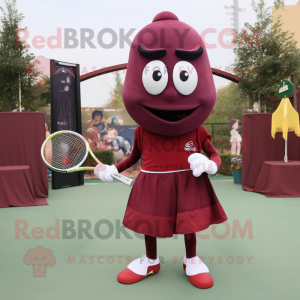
171, 115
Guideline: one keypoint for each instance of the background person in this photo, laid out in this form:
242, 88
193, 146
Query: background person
236, 138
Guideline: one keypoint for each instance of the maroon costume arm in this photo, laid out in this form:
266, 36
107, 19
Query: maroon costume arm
211, 152
131, 160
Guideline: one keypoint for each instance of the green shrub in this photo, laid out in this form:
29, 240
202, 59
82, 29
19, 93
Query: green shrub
105, 156
226, 168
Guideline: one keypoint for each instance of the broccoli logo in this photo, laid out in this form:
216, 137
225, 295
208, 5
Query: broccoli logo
39, 258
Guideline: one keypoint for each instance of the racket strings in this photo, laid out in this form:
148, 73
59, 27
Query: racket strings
65, 151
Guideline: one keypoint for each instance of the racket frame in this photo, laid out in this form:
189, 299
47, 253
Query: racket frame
77, 167
127, 181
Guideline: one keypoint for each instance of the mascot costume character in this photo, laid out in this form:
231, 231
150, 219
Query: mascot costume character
169, 91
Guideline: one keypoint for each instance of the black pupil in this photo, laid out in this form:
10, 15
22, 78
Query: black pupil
184, 75
156, 75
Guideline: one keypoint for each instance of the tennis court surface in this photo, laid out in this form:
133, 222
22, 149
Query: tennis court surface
255, 256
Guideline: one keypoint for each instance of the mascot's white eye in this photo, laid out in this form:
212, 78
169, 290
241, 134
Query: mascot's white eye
185, 77
155, 77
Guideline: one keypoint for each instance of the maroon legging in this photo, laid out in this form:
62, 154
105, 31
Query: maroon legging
190, 246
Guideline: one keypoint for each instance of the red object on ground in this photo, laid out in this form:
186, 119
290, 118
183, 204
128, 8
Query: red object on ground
258, 146
16, 187
279, 179
22, 135
128, 277
201, 281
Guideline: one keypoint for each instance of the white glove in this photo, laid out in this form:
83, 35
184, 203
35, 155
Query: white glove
104, 172
199, 163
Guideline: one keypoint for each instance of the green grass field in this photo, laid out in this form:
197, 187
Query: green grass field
273, 251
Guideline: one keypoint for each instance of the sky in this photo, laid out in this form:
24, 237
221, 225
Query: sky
43, 18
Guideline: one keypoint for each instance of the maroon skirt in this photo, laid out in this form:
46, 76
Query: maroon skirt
161, 205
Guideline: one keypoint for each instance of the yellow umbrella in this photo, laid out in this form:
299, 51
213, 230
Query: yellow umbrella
285, 118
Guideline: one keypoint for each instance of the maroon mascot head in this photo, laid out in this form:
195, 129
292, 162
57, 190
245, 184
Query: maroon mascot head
169, 87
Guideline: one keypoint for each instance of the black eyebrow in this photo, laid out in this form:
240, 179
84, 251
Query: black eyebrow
152, 53
189, 54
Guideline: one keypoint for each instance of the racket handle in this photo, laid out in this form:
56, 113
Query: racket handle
129, 182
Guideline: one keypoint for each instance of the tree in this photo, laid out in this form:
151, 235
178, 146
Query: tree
228, 105
42, 94
116, 100
17, 65
265, 54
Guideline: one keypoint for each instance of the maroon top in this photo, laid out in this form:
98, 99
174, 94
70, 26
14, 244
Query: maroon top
164, 153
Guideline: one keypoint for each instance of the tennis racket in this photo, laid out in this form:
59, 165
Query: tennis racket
65, 151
